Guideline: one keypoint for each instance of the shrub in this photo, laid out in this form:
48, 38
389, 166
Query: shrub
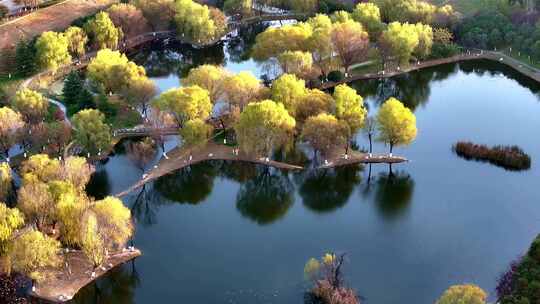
336, 76
440, 50
521, 283
508, 157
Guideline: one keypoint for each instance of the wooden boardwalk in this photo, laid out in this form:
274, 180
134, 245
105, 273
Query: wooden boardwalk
181, 157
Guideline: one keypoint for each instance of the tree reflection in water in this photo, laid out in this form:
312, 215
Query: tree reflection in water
393, 193
326, 190
191, 185
238, 47
266, 197
99, 186
117, 286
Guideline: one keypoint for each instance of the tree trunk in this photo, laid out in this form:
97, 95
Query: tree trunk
370, 144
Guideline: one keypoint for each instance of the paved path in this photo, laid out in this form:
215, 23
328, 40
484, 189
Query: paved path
180, 157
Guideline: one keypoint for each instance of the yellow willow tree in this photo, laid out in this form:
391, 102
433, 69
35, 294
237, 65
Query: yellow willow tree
289, 90
314, 103
31, 104
195, 133
10, 220
103, 32
297, 63
320, 44
325, 133
275, 41
52, 50
396, 124
350, 108
369, 15
241, 89
469, 294
32, 252
350, 42
114, 221
6, 181
264, 126
185, 103
199, 23
399, 41
91, 131
209, 77
77, 40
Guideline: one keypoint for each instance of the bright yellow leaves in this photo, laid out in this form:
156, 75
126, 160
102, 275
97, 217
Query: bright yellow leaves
458, 294
396, 123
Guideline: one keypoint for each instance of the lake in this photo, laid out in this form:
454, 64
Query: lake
236, 233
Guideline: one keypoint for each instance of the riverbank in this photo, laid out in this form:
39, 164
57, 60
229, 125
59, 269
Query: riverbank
63, 283
502, 58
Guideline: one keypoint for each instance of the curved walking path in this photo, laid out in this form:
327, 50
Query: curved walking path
179, 158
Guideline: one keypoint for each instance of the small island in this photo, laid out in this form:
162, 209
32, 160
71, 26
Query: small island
508, 157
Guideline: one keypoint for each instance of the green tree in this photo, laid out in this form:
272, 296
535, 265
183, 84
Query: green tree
305, 6
195, 133
11, 219
186, 103
91, 131
351, 43
369, 15
209, 77
324, 132
31, 104
32, 252
399, 41
350, 107
73, 86
52, 50
241, 89
12, 124
264, 126
103, 32
288, 90
25, 58
77, 40
463, 294
396, 123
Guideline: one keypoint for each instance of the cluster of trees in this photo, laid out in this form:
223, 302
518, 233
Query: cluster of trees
324, 43
26, 122
199, 23
53, 205
501, 29
267, 119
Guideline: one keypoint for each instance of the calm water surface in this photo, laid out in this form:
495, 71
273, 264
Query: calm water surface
233, 233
